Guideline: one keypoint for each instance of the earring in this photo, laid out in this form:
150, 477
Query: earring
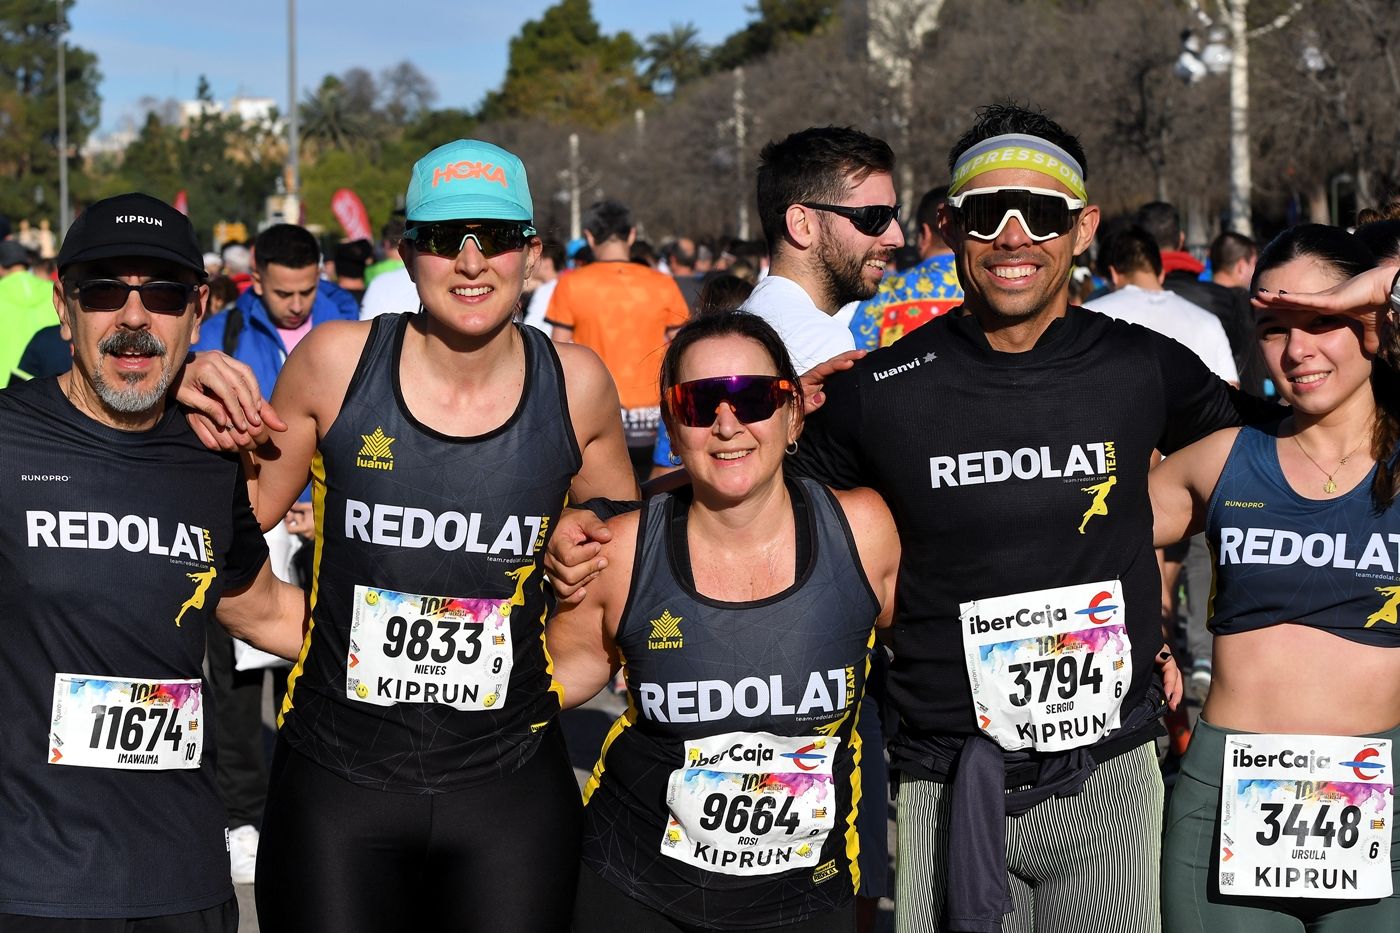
675, 461
791, 448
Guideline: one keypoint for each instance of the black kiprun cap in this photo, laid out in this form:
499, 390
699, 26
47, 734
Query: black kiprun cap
131, 225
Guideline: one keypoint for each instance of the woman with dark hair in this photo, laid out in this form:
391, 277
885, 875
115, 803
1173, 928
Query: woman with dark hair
741, 611
1281, 817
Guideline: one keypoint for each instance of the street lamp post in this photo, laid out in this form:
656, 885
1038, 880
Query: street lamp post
62, 79
1218, 57
293, 121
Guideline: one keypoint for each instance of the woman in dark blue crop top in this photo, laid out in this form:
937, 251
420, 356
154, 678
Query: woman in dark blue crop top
1282, 816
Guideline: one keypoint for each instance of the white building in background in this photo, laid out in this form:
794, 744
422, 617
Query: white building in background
248, 109
252, 110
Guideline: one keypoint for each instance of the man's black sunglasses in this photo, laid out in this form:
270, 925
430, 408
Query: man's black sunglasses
871, 220
111, 295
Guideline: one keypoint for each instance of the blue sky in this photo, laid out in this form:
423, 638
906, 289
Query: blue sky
161, 49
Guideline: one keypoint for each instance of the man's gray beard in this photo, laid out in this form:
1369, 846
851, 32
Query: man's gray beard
123, 399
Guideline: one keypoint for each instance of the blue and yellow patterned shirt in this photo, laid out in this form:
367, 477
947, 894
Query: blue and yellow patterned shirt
906, 300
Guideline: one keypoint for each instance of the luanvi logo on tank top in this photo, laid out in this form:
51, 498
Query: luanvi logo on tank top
666, 632
376, 453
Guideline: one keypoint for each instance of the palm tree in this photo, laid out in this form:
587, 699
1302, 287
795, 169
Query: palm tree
330, 120
674, 57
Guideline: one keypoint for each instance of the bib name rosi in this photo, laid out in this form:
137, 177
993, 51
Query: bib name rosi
1048, 669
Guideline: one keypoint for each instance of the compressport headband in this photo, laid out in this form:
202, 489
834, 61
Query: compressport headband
1017, 150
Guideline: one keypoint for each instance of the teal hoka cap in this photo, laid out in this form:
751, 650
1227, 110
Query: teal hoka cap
468, 180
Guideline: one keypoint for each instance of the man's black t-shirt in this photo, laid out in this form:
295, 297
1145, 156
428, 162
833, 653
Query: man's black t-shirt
987, 461
114, 549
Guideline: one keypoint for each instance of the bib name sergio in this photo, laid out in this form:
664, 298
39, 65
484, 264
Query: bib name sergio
409, 527
977, 467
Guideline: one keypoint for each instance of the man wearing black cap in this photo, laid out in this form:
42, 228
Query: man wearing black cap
120, 536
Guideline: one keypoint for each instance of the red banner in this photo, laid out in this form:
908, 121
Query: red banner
182, 202
350, 211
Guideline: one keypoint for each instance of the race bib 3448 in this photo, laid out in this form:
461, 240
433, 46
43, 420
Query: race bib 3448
1306, 816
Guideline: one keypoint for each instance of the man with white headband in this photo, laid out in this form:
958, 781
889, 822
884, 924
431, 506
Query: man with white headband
1012, 439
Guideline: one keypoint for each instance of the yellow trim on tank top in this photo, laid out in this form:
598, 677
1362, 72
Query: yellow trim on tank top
623, 722
555, 687
318, 508
857, 752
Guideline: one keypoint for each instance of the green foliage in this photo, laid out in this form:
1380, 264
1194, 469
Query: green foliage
563, 69
778, 21
332, 119
29, 105
380, 182
436, 127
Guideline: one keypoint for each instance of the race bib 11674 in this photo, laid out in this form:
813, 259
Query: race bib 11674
1048, 668
1306, 816
126, 723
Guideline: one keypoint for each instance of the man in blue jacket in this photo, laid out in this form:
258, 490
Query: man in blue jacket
287, 299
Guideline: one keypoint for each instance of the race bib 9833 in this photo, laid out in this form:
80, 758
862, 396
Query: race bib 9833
407, 648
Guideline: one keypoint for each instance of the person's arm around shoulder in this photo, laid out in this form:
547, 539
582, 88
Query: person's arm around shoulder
877, 542
310, 390
266, 613
581, 635
1181, 486
595, 411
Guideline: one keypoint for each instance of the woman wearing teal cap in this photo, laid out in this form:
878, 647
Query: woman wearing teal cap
420, 780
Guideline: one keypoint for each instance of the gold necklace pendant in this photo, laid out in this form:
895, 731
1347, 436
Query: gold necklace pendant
1329, 487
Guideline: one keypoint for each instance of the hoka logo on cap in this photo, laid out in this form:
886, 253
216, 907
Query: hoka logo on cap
454, 171
468, 179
